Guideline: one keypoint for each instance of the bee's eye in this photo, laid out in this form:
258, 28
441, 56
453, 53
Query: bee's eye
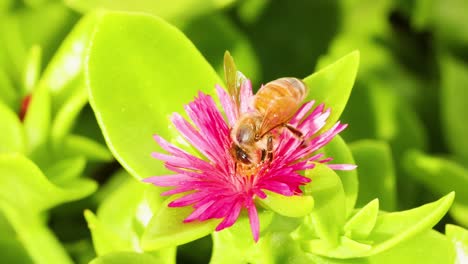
242, 156
245, 134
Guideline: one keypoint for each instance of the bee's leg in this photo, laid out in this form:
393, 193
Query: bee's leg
269, 148
296, 132
263, 154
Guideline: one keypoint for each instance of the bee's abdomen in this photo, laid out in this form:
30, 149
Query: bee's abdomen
291, 89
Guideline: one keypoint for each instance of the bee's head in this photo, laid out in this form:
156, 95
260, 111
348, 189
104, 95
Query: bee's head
241, 155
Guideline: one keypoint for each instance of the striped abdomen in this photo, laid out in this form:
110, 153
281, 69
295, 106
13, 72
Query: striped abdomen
279, 100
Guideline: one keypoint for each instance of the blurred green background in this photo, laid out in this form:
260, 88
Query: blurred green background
409, 98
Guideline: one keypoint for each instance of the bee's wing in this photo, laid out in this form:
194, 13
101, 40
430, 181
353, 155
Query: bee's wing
234, 78
279, 112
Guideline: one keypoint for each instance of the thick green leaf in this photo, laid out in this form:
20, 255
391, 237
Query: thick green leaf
393, 228
128, 257
32, 69
64, 73
460, 213
250, 11
105, 241
430, 247
118, 228
166, 228
40, 242
236, 245
37, 119
172, 11
329, 214
332, 85
12, 137
453, 105
127, 221
459, 238
12, 249
376, 173
25, 27
65, 170
390, 230
161, 58
25, 186
66, 116
347, 248
445, 18
75, 145
8, 94
438, 174
360, 225
292, 206
341, 154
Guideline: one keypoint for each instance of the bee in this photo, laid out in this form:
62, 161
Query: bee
274, 106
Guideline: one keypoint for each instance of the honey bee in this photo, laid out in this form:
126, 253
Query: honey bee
274, 106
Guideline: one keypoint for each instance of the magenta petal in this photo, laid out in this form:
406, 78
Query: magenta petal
231, 218
168, 180
245, 96
228, 105
253, 219
342, 166
198, 211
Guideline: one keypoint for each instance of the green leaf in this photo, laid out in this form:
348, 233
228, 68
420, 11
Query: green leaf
40, 243
161, 58
341, 154
429, 247
459, 238
37, 119
12, 137
438, 174
376, 173
329, 214
390, 230
445, 18
33, 69
63, 75
24, 185
119, 228
105, 241
332, 85
393, 228
291, 206
236, 245
166, 228
66, 116
12, 249
65, 170
454, 95
127, 257
360, 225
44, 26
460, 213
127, 221
115, 227
173, 11
75, 145
347, 248
8, 94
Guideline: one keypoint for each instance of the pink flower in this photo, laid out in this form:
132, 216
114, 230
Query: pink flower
212, 185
